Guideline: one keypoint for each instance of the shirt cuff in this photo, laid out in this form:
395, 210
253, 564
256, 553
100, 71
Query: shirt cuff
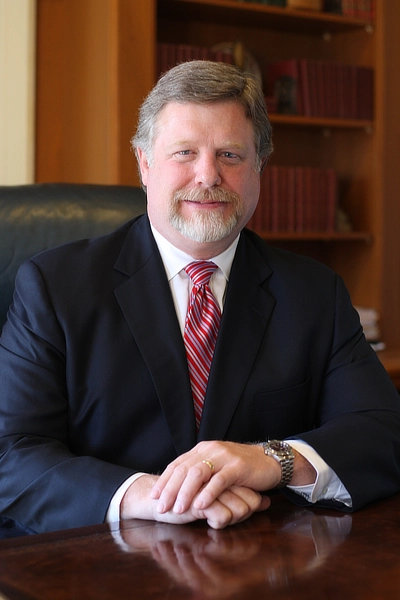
114, 509
327, 485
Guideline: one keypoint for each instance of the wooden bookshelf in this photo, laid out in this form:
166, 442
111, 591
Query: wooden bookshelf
97, 60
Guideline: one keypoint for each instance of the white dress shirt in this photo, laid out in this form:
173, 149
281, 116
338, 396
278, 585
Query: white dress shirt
327, 484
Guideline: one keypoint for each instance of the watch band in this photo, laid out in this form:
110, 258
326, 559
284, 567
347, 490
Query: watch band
283, 453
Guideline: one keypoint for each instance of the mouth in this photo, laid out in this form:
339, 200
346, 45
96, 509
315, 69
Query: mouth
206, 205
206, 202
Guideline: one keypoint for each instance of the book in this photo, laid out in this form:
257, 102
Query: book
296, 199
170, 54
317, 88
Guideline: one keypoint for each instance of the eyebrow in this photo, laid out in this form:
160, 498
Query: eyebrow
227, 144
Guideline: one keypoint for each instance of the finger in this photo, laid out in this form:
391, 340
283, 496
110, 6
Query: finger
265, 503
242, 502
201, 452
165, 477
183, 485
196, 477
220, 481
217, 515
231, 508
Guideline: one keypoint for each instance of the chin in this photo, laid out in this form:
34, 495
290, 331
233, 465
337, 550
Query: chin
202, 228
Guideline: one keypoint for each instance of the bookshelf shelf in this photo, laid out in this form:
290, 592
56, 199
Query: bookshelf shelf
317, 236
324, 123
259, 15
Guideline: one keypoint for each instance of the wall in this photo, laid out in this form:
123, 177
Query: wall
17, 91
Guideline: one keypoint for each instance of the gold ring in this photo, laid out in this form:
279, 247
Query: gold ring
209, 464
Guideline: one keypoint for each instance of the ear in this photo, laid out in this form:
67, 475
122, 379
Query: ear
143, 165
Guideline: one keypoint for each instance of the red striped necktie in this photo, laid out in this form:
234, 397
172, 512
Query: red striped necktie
201, 330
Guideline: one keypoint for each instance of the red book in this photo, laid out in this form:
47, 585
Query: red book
283, 199
184, 53
341, 90
299, 207
331, 199
371, 13
274, 197
263, 212
308, 199
304, 87
349, 8
291, 199
167, 57
317, 202
319, 85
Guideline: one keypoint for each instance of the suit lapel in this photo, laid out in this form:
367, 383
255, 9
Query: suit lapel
248, 308
146, 302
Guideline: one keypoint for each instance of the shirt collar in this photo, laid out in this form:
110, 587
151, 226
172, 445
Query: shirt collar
175, 260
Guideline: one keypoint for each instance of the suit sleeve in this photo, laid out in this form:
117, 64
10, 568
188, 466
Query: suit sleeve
43, 484
358, 427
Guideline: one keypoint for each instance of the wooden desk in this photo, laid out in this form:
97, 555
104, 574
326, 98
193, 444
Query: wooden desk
284, 553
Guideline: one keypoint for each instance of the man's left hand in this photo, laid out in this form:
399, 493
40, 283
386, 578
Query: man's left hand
214, 466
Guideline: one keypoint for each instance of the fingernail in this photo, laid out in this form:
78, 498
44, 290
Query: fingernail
178, 508
161, 507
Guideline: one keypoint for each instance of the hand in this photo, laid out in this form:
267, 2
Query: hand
232, 506
190, 482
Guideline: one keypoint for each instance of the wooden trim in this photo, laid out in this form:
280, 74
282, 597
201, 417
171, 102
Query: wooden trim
96, 62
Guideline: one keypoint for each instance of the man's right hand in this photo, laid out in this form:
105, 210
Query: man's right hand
234, 505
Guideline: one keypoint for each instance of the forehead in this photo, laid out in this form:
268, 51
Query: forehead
211, 118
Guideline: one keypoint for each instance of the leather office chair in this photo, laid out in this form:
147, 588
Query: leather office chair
40, 216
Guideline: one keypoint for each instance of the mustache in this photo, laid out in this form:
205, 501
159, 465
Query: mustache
213, 195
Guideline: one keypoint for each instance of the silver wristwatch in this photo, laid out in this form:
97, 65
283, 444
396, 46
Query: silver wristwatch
283, 453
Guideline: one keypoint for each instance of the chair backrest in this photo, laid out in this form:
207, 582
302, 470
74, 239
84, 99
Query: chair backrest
40, 216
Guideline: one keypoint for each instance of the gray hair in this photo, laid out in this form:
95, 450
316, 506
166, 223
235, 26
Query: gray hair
203, 82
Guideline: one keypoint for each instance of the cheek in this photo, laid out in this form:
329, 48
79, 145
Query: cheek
179, 175
250, 191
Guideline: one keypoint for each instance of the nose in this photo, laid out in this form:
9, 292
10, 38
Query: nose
207, 171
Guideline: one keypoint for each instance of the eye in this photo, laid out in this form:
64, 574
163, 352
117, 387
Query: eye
230, 157
183, 155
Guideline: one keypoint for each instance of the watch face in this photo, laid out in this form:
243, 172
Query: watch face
277, 445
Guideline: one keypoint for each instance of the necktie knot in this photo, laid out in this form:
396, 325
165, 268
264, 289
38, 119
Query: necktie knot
200, 271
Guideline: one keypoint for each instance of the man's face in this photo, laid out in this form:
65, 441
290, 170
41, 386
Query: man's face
202, 184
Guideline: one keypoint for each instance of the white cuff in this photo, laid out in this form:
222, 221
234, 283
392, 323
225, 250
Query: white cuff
114, 513
327, 485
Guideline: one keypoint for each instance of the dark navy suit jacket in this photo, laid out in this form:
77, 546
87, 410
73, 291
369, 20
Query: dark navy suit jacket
94, 383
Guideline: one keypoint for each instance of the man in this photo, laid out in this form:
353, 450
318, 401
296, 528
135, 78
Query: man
96, 396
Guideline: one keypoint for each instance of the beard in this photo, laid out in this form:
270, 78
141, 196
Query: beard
205, 226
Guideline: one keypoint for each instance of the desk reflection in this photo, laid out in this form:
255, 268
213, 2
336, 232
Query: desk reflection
220, 563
